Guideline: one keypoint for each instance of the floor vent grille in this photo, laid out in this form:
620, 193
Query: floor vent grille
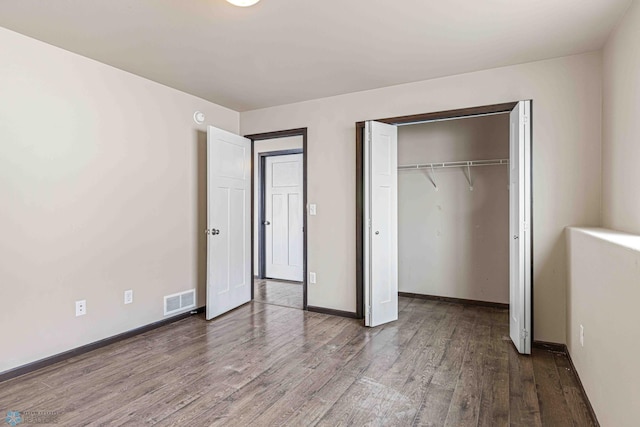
179, 302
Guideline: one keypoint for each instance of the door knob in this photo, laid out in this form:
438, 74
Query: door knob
515, 237
266, 223
377, 232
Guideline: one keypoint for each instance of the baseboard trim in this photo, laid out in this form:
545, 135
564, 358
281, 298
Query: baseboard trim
60, 357
583, 391
332, 312
295, 282
455, 300
562, 348
551, 346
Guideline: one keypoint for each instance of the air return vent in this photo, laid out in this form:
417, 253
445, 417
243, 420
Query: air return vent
179, 302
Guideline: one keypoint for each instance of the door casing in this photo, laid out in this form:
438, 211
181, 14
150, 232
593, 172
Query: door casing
274, 135
262, 230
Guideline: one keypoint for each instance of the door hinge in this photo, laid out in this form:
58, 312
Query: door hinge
525, 226
369, 223
524, 334
525, 119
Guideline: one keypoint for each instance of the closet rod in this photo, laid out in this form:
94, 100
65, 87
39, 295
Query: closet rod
461, 164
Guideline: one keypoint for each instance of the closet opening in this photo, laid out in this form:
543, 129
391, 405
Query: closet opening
444, 211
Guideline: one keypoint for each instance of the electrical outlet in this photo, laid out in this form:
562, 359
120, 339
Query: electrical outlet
581, 335
81, 308
128, 297
312, 277
312, 209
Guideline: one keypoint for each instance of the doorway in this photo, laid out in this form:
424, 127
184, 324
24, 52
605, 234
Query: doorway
279, 243
377, 215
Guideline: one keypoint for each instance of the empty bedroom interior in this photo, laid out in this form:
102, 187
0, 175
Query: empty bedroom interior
118, 121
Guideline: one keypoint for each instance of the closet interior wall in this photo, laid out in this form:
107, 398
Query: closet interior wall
454, 242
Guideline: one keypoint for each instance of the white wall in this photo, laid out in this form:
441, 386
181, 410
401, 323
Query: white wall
621, 125
265, 146
454, 242
604, 265
603, 292
566, 95
103, 189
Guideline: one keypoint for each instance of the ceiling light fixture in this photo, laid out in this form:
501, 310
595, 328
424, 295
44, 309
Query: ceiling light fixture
243, 3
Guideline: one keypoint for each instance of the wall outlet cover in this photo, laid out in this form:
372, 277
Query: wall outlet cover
81, 308
128, 297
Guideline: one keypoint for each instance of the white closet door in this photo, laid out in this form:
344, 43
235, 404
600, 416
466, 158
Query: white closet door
228, 221
520, 227
381, 216
284, 217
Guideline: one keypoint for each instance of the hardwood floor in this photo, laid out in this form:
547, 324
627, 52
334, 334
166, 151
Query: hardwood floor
287, 294
263, 365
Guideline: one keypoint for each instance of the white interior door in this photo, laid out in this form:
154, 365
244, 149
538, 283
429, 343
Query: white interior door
520, 227
228, 221
381, 222
284, 217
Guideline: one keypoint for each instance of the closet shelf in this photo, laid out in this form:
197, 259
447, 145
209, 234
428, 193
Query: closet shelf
461, 164
468, 164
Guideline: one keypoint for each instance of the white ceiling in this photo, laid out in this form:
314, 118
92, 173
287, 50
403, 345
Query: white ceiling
283, 51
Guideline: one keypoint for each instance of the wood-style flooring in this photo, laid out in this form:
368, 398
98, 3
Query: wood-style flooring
266, 365
287, 294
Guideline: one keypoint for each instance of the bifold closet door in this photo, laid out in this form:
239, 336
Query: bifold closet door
381, 223
520, 227
228, 221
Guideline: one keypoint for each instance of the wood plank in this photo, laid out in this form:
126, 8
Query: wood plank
524, 408
413, 370
367, 398
553, 405
573, 392
439, 364
286, 294
465, 402
494, 406
435, 404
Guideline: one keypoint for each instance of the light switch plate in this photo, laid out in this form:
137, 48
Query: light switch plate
128, 297
312, 209
312, 277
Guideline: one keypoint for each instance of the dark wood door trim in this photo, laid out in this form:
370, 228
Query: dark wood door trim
274, 135
360, 220
278, 134
448, 114
461, 301
333, 312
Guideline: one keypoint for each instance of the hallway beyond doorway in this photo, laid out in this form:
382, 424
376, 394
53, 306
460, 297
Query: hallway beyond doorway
278, 292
